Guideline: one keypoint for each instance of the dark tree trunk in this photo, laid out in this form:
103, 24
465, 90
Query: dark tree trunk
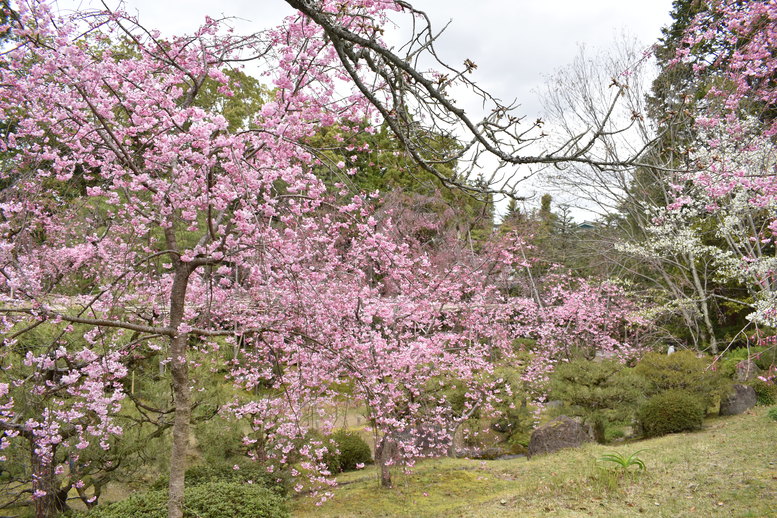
179, 368
60, 499
43, 480
598, 427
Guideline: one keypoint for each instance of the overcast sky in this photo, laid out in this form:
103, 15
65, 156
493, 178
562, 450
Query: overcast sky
515, 43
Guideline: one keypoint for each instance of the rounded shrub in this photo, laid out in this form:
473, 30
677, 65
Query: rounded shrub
772, 414
353, 450
682, 371
214, 500
331, 458
669, 412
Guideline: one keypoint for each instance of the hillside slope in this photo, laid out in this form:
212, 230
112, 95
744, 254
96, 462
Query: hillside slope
727, 469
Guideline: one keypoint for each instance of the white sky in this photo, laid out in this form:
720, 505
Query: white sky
516, 44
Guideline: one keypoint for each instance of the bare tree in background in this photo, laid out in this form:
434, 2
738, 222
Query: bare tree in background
648, 156
413, 101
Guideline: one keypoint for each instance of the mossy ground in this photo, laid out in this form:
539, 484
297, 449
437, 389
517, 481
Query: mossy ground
727, 469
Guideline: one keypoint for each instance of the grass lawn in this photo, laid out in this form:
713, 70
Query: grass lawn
727, 469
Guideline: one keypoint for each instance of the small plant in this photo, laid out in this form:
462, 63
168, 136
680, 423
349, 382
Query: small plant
609, 477
622, 462
772, 414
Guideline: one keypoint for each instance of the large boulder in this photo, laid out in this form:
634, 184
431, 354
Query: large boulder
741, 398
562, 432
747, 370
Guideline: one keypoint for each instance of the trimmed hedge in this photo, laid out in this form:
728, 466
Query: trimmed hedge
248, 473
602, 392
344, 450
669, 412
214, 500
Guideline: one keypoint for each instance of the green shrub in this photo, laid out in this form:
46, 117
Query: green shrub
669, 412
524, 344
353, 450
772, 414
516, 423
614, 431
214, 500
765, 391
220, 441
518, 442
513, 417
763, 357
151, 504
602, 392
229, 500
727, 364
344, 450
249, 473
682, 371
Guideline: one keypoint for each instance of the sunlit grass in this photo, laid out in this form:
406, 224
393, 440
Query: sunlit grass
727, 469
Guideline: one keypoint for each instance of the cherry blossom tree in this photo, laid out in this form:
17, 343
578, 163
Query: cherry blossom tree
133, 213
732, 185
394, 321
125, 198
574, 318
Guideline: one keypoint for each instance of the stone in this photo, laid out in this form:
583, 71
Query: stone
429, 440
562, 432
742, 398
490, 453
747, 370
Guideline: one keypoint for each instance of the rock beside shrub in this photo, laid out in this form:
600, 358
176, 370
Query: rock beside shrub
562, 432
740, 399
747, 370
